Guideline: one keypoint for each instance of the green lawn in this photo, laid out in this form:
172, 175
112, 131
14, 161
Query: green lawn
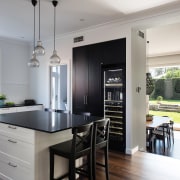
174, 115
165, 102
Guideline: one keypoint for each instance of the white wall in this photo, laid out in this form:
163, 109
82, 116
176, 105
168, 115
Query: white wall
138, 89
14, 70
0, 70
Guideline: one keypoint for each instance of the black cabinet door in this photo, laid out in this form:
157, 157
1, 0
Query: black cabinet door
80, 79
95, 96
114, 52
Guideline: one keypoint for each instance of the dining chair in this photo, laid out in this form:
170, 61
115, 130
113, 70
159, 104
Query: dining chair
79, 146
171, 127
149, 140
170, 131
168, 127
162, 135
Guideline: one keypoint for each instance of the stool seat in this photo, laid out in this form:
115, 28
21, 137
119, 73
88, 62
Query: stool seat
64, 149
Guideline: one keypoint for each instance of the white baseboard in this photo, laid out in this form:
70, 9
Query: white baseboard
132, 151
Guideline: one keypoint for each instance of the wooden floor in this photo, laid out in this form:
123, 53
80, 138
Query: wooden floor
172, 151
143, 165
140, 166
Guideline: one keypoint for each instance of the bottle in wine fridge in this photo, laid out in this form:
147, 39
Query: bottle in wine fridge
114, 106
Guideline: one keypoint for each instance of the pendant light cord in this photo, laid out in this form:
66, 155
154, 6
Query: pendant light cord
39, 19
54, 25
54, 4
34, 27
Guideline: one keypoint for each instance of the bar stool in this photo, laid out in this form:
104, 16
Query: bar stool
101, 141
80, 145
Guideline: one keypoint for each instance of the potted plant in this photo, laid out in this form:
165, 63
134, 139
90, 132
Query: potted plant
2, 99
149, 117
9, 104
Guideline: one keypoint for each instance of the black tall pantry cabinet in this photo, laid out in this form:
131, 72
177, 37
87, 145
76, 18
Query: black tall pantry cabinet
89, 63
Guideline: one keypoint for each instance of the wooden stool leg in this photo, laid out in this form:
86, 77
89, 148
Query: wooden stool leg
72, 171
94, 164
106, 163
51, 165
91, 176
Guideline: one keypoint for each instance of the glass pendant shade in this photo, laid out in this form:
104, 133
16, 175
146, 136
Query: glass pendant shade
33, 61
39, 49
55, 59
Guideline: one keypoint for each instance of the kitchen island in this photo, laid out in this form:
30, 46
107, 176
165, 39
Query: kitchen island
25, 138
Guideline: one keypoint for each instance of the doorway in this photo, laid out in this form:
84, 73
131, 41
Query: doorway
58, 87
163, 52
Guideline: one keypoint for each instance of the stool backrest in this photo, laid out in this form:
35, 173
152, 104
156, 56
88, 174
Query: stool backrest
101, 133
82, 139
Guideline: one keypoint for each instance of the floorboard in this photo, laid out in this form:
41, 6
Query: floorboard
140, 166
143, 165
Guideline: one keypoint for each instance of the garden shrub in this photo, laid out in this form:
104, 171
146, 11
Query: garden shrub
159, 88
177, 86
159, 98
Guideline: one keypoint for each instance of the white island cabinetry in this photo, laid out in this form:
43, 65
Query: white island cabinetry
24, 153
16, 153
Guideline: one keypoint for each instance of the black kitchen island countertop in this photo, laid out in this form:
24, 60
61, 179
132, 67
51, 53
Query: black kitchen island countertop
45, 121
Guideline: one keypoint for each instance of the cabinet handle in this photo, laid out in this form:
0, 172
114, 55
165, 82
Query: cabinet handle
12, 141
84, 99
12, 127
12, 165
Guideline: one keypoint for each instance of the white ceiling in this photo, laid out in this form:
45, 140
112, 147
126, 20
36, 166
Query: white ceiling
16, 16
163, 40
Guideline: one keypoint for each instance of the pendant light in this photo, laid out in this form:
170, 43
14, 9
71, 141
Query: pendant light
33, 61
54, 59
39, 49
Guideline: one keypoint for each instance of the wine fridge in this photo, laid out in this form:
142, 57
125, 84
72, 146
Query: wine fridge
114, 106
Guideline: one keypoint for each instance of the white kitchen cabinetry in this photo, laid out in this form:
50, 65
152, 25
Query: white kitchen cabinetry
16, 153
7, 110
29, 108
20, 109
24, 153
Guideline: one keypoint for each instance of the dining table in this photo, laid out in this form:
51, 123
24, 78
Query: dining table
157, 121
